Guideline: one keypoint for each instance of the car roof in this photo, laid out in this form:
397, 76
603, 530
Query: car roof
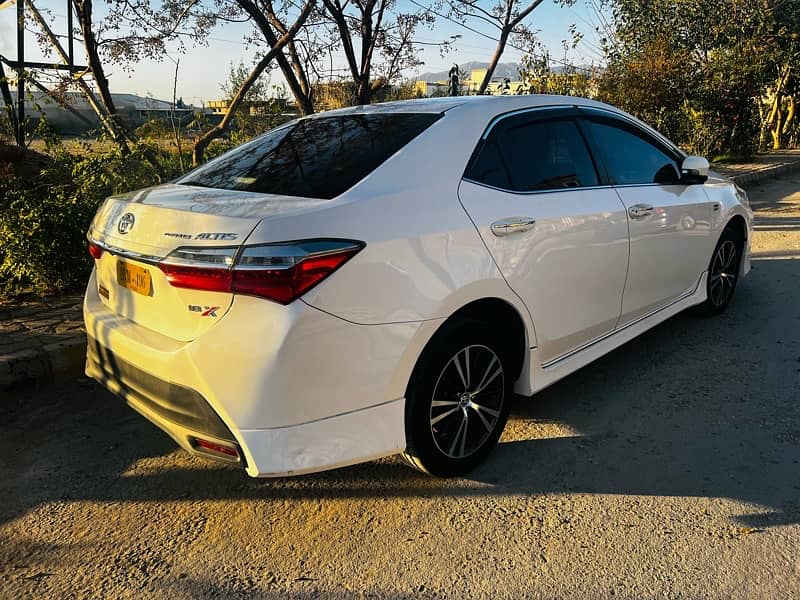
492, 104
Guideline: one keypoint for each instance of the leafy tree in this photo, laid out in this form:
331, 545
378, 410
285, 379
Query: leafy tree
540, 78
237, 74
702, 71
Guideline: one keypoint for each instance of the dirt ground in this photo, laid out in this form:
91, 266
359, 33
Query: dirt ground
668, 469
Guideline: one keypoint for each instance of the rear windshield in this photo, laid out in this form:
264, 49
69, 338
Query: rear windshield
312, 158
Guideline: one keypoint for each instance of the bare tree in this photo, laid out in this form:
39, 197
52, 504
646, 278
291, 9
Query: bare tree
367, 27
275, 50
50, 43
270, 23
84, 11
111, 39
505, 16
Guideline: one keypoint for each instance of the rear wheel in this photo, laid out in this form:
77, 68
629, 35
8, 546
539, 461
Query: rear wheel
723, 271
457, 401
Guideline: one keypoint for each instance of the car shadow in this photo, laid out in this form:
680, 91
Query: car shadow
696, 407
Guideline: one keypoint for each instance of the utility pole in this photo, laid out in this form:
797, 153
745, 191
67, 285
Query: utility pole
455, 84
20, 73
17, 117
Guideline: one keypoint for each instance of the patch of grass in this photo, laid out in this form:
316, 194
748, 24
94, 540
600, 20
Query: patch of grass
732, 159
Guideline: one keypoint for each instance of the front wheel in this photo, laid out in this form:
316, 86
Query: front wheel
723, 272
457, 401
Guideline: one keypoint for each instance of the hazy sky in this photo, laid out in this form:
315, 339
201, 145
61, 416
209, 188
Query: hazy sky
203, 68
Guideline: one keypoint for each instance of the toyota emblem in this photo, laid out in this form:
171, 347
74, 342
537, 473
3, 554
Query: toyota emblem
126, 223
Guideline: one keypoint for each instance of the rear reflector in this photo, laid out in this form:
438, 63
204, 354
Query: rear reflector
277, 272
216, 448
95, 251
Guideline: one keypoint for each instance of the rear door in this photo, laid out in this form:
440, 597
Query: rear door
669, 221
559, 237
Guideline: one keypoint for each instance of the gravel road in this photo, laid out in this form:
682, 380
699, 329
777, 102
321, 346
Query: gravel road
668, 469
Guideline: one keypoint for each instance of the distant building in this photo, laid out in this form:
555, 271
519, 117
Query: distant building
497, 86
79, 118
253, 108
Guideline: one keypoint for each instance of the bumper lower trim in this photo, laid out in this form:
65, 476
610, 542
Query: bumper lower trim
179, 411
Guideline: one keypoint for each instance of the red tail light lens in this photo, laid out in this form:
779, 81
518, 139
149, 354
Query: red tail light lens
268, 272
197, 278
277, 272
95, 251
207, 269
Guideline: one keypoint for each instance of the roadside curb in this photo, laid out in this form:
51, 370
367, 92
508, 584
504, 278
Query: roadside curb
757, 176
47, 364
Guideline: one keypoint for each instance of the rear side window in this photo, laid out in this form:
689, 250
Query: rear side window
533, 155
313, 158
631, 159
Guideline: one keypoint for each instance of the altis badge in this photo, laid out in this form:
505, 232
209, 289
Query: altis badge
211, 236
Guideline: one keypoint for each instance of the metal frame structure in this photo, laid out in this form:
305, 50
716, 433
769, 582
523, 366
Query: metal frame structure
18, 117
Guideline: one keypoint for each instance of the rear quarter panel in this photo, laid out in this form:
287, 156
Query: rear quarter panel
423, 257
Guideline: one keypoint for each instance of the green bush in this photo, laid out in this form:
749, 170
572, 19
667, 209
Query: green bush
44, 215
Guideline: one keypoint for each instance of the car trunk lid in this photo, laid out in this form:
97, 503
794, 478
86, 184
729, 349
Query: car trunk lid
139, 230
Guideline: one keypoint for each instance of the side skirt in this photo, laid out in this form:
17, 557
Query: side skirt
542, 377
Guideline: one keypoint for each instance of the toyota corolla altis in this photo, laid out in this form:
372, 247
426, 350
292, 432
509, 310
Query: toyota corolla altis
380, 280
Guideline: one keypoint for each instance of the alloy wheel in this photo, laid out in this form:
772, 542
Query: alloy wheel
467, 401
723, 273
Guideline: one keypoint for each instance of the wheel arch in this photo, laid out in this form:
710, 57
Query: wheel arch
496, 313
738, 224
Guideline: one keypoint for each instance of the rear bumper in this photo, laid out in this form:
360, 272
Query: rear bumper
181, 412
292, 388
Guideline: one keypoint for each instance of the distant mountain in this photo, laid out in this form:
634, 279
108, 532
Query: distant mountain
510, 70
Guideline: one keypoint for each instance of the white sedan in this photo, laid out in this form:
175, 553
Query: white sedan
381, 279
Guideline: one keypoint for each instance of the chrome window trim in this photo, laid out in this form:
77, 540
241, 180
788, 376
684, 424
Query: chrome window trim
557, 190
537, 192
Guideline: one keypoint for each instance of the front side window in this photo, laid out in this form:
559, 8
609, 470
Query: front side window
312, 158
630, 159
525, 155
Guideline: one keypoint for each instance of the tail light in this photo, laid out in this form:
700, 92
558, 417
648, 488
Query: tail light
206, 269
277, 272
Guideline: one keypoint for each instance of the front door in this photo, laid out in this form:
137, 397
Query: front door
669, 221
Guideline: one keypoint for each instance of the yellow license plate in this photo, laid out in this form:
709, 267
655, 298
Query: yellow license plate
134, 278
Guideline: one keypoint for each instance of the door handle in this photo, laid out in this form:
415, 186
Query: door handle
640, 211
510, 225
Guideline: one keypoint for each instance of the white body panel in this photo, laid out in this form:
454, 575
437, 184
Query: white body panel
578, 243
320, 382
669, 247
333, 442
546, 376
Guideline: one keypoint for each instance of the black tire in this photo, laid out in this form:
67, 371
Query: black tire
723, 272
472, 400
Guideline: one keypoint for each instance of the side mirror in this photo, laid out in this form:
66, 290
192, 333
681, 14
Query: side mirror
694, 170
